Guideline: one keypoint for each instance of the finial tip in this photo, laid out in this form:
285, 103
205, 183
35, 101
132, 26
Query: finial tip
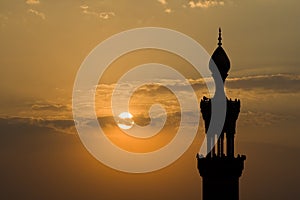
220, 37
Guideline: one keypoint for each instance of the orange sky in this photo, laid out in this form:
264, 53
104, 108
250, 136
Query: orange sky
43, 44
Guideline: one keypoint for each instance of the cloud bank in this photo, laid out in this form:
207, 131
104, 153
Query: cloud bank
262, 97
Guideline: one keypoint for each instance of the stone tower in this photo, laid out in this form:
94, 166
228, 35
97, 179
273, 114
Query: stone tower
220, 170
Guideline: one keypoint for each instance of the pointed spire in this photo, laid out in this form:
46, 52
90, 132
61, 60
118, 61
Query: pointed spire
220, 37
220, 59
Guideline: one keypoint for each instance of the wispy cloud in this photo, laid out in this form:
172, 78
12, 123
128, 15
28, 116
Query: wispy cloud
205, 3
163, 2
102, 15
37, 13
57, 125
32, 2
84, 7
168, 10
51, 107
284, 83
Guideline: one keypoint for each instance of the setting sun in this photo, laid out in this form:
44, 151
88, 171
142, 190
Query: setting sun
125, 120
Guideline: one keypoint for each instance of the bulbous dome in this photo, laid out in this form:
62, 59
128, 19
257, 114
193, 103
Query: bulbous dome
220, 59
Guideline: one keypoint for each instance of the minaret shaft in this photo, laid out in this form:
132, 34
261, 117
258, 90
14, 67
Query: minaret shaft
220, 170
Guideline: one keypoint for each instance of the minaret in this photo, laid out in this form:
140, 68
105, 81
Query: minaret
221, 170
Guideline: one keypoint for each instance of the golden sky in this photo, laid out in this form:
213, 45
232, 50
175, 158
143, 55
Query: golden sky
43, 44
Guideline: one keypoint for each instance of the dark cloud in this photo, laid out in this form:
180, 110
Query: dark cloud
50, 107
173, 119
275, 82
56, 125
278, 82
283, 83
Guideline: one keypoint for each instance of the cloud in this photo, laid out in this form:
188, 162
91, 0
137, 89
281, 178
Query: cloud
205, 3
264, 98
50, 107
163, 2
249, 88
84, 7
44, 109
57, 125
37, 13
102, 15
168, 10
283, 83
32, 2
106, 15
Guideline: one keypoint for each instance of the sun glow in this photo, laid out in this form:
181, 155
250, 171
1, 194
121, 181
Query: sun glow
125, 120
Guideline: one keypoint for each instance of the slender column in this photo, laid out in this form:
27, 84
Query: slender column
222, 144
213, 151
210, 145
230, 144
208, 140
219, 147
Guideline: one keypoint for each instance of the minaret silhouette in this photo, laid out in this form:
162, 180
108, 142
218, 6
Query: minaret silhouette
220, 172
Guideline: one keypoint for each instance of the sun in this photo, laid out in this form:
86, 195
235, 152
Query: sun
125, 120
